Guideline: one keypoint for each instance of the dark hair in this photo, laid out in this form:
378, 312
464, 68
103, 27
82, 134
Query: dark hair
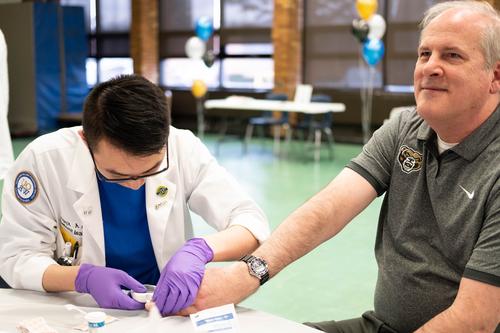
130, 112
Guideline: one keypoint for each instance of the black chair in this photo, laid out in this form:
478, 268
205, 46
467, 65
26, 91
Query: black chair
316, 125
267, 120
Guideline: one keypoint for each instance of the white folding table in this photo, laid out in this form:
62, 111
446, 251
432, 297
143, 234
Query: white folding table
248, 103
19, 305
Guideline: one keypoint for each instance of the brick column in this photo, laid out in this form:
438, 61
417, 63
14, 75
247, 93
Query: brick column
287, 41
144, 38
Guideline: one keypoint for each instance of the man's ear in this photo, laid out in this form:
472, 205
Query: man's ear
82, 135
495, 83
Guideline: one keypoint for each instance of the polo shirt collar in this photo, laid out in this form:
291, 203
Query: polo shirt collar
475, 143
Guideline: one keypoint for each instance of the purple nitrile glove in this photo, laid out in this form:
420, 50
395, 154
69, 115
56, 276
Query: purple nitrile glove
181, 277
104, 284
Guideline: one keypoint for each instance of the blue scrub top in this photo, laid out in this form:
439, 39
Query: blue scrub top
126, 233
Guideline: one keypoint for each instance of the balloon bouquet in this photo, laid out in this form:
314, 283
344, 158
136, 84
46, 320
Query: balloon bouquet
196, 49
369, 30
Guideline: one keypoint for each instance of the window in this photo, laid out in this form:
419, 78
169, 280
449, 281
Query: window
332, 57
255, 73
243, 47
91, 68
241, 43
181, 72
108, 26
111, 67
402, 36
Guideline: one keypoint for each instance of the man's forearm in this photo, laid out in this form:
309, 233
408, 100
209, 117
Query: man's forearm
448, 321
476, 309
319, 219
232, 243
59, 278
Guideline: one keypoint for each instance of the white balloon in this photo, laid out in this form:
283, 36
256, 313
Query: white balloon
195, 48
376, 23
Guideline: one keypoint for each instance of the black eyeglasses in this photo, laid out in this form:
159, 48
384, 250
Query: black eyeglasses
103, 178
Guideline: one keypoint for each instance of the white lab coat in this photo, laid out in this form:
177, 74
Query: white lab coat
6, 154
67, 197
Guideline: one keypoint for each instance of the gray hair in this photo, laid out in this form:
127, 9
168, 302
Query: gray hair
490, 35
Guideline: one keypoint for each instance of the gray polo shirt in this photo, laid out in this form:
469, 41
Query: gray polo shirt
440, 219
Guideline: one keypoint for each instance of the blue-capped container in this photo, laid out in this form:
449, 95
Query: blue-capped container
96, 321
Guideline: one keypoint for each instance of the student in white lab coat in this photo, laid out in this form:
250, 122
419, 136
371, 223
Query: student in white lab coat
6, 154
118, 193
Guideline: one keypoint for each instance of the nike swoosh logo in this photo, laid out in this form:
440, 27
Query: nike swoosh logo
470, 195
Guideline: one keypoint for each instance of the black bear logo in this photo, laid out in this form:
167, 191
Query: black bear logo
409, 159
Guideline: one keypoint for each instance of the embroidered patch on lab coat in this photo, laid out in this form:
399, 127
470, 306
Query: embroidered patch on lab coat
25, 187
162, 191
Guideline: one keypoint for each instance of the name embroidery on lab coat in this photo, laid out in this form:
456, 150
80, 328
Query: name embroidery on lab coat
71, 232
160, 204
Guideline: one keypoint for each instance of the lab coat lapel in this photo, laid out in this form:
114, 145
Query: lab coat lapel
82, 179
160, 197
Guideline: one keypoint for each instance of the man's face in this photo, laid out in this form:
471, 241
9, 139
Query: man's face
115, 163
451, 81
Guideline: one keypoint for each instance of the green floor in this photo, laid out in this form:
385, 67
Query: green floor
336, 281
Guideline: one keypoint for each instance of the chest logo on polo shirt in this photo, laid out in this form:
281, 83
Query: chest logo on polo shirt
409, 159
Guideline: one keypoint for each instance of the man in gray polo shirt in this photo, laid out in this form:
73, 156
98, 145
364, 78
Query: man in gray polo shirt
438, 239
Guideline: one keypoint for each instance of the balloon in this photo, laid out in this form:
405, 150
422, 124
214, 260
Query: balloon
373, 51
199, 88
204, 28
208, 58
195, 48
366, 8
377, 27
360, 29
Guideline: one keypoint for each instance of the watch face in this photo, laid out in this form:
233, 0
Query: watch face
258, 266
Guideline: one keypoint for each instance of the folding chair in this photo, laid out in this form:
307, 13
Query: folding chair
315, 127
267, 120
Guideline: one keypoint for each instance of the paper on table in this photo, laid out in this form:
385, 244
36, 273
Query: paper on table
219, 319
35, 325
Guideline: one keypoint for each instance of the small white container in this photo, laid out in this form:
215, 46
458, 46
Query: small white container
96, 321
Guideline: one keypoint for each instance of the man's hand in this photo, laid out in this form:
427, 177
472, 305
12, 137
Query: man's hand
180, 279
105, 285
230, 284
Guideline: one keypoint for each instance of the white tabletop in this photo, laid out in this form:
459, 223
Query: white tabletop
248, 103
19, 305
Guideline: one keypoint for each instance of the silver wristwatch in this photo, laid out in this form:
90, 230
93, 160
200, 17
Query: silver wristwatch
257, 267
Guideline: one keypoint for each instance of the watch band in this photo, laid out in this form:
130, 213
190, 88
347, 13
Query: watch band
263, 276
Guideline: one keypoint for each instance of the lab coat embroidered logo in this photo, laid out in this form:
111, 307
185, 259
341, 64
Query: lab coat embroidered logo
409, 159
25, 187
162, 191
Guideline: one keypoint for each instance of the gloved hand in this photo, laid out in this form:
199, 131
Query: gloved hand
181, 277
104, 284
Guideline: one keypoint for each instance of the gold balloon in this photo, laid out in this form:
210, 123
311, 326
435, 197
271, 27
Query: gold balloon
199, 88
366, 8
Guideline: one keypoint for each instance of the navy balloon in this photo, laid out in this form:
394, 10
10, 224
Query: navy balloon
360, 29
204, 28
208, 58
373, 51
